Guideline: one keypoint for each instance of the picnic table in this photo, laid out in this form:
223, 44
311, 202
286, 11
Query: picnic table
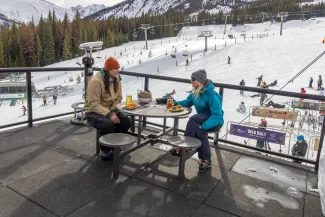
155, 111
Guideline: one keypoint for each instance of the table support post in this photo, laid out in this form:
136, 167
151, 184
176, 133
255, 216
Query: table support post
139, 130
176, 120
116, 162
165, 123
182, 160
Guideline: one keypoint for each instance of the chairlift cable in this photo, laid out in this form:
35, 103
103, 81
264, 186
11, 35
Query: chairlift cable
291, 80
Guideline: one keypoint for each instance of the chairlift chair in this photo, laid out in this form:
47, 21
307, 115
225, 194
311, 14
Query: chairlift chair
176, 27
203, 23
214, 21
152, 31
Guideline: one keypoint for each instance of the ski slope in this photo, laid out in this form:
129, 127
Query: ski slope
274, 56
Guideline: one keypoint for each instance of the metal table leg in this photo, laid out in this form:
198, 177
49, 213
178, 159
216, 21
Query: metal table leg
139, 130
116, 162
165, 123
182, 159
176, 120
133, 124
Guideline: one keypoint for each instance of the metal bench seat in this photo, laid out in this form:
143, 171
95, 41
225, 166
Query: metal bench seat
116, 141
183, 143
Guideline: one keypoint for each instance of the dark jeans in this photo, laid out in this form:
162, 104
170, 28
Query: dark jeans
193, 130
106, 126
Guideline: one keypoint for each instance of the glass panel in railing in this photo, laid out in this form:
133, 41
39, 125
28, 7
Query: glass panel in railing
55, 92
276, 123
13, 104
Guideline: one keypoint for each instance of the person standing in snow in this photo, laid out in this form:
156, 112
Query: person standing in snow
300, 148
44, 100
55, 97
228, 59
259, 80
24, 109
261, 143
242, 83
311, 82
208, 105
319, 82
263, 95
187, 62
302, 91
241, 108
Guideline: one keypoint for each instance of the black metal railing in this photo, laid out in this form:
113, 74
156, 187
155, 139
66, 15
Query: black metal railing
147, 78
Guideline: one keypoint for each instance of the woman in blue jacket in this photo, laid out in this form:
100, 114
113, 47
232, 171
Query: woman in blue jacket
209, 117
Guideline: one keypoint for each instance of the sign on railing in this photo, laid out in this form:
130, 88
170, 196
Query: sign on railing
275, 113
257, 133
12, 96
305, 104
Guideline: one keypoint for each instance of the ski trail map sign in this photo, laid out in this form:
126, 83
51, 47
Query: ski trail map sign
275, 113
257, 133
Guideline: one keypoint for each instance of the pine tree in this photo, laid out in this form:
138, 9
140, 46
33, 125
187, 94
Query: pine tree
66, 47
77, 34
38, 51
2, 60
28, 45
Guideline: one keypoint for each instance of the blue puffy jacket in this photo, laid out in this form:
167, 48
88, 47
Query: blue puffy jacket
209, 102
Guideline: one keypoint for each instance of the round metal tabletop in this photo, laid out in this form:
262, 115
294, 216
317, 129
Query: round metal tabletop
116, 140
183, 141
154, 111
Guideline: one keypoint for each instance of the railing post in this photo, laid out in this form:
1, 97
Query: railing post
216, 137
146, 88
29, 98
321, 140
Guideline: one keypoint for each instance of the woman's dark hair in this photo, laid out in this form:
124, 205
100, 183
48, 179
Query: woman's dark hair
108, 82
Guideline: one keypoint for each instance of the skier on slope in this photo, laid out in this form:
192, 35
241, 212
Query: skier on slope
187, 62
55, 97
311, 82
228, 59
242, 83
319, 82
259, 81
302, 91
263, 95
24, 109
242, 108
44, 100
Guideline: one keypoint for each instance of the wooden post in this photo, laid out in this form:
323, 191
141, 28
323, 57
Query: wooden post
191, 57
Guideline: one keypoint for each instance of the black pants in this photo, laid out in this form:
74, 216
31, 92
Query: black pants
106, 126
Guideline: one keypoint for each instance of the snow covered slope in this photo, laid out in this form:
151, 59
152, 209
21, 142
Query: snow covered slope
135, 8
274, 56
22, 11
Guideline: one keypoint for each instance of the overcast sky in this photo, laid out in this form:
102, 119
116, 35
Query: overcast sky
70, 3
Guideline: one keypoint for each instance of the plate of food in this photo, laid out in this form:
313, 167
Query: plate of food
131, 106
177, 108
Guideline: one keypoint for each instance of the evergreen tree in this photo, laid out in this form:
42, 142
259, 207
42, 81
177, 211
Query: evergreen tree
66, 47
2, 60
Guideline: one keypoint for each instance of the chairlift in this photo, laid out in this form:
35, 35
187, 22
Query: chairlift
203, 23
135, 35
152, 31
176, 27
214, 21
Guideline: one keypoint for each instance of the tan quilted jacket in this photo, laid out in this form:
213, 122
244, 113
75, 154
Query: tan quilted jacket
98, 100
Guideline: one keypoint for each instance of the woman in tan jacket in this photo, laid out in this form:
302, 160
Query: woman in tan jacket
104, 92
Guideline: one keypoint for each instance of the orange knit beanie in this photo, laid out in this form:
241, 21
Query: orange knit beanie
111, 63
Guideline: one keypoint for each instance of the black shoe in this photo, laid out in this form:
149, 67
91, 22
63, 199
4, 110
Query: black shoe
204, 165
106, 155
174, 152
